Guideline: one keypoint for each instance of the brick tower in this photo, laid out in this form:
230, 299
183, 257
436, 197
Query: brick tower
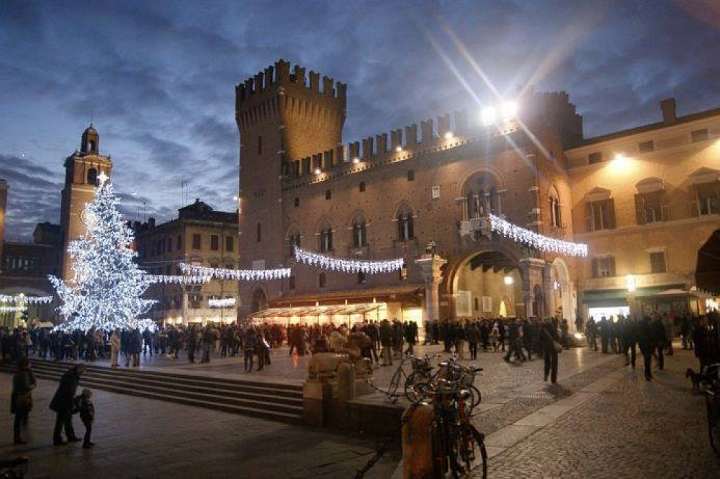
82, 169
280, 115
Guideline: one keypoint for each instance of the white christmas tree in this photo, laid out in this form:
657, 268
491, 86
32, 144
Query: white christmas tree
107, 286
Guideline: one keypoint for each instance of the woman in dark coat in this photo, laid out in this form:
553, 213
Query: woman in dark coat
63, 403
21, 398
549, 337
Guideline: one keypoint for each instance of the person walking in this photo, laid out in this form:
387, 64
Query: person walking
629, 341
114, 348
551, 347
86, 408
63, 404
21, 397
249, 349
386, 341
659, 338
645, 341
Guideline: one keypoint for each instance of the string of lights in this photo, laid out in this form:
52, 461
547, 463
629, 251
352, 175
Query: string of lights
235, 274
21, 298
221, 302
536, 240
347, 265
178, 279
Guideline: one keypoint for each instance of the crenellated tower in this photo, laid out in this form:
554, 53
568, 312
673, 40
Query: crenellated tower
281, 114
82, 170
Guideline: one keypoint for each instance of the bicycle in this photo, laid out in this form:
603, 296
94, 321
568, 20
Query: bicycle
711, 390
454, 437
400, 376
417, 385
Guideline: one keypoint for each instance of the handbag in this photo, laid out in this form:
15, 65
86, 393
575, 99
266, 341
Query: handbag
557, 346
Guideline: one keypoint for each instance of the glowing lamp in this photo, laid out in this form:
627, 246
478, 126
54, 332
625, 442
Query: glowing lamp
318, 171
398, 149
449, 135
356, 160
509, 110
508, 280
631, 283
487, 115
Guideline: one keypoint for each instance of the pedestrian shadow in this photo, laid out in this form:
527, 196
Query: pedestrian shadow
557, 391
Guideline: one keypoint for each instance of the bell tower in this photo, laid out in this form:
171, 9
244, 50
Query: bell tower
82, 170
280, 115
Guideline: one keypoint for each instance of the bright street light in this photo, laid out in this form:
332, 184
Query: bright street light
449, 135
318, 171
488, 115
509, 110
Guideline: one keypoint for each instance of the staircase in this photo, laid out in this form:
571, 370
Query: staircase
275, 401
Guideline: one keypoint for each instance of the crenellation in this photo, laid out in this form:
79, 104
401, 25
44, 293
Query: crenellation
340, 154
426, 131
298, 75
327, 160
396, 138
367, 148
314, 81
411, 135
282, 71
381, 143
259, 83
341, 91
354, 149
328, 89
269, 80
249, 90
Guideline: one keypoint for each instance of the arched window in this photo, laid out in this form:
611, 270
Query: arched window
554, 208
405, 225
92, 176
294, 240
326, 239
481, 196
359, 233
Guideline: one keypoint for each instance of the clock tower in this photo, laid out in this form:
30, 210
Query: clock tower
82, 171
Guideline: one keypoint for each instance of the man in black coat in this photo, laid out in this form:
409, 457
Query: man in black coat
548, 338
629, 340
63, 402
644, 335
659, 340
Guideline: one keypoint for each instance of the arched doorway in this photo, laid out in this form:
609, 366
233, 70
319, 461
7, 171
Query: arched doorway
259, 301
563, 298
707, 270
487, 284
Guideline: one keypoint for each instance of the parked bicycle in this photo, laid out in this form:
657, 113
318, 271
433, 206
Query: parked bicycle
710, 384
418, 384
419, 373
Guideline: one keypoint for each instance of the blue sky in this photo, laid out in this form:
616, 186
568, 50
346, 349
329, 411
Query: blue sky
157, 78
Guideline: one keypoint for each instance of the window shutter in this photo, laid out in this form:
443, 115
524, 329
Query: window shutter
611, 265
640, 209
588, 217
611, 213
594, 267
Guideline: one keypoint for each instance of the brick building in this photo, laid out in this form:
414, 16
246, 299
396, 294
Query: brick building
390, 195
200, 236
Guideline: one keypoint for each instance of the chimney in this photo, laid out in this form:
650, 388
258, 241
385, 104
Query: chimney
668, 111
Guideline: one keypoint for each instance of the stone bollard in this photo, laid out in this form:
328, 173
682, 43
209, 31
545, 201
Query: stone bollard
345, 382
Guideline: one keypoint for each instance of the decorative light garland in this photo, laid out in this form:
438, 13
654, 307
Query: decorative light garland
178, 279
221, 302
21, 298
236, 274
536, 240
12, 309
347, 265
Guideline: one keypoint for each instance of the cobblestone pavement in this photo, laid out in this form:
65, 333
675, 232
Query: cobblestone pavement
143, 438
631, 429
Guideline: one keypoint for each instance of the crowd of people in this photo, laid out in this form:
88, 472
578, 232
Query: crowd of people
653, 335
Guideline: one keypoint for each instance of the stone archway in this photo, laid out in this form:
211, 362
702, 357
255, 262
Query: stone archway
563, 297
487, 283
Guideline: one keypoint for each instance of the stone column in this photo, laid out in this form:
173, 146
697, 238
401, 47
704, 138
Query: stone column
430, 265
532, 274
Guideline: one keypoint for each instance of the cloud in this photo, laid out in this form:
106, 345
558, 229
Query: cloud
157, 78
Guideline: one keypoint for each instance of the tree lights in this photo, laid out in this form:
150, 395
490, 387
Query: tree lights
536, 240
347, 265
107, 286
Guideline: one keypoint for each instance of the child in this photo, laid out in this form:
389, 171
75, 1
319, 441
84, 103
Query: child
87, 415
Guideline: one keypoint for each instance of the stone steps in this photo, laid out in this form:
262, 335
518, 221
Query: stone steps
275, 401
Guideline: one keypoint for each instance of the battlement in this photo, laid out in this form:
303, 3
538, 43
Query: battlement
442, 132
281, 75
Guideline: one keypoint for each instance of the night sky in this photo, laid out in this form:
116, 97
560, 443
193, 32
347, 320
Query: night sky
157, 78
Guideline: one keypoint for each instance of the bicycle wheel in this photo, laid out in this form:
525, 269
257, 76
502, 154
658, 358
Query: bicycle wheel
416, 391
713, 417
476, 397
394, 383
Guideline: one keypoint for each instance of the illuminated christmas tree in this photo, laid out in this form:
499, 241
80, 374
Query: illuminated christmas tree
107, 286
